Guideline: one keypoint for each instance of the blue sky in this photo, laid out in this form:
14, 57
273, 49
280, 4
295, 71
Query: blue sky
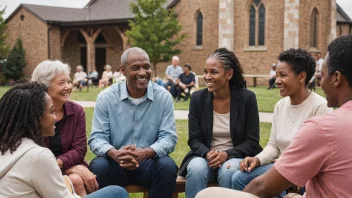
11, 5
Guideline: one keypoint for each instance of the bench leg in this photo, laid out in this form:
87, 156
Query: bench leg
175, 195
254, 81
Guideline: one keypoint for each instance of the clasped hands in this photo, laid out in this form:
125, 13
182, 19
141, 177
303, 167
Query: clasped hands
128, 156
216, 158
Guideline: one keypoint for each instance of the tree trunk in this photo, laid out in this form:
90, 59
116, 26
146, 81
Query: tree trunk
155, 69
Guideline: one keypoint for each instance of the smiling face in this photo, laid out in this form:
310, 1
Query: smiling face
60, 89
215, 75
138, 73
48, 119
287, 81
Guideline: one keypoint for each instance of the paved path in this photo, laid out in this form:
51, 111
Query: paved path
183, 114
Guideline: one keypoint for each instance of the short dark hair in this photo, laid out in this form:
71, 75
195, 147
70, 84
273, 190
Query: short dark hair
299, 61
21, 109
188, 66
229, 61
340, 57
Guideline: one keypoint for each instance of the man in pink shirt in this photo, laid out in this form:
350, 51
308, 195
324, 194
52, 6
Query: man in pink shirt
320, 155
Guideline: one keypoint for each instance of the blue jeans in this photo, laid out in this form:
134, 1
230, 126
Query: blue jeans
199, 174
172, 87
240, 179
109, 192
159, 174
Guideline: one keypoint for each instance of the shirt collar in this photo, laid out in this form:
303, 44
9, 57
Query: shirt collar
68, 109
124, 93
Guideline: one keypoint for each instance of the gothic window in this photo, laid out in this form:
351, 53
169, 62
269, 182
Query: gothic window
256, 24
314, 29
199, 35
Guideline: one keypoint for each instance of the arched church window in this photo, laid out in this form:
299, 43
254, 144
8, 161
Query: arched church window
256, 23
199, 34
314, 28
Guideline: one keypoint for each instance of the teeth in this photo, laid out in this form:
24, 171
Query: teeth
141, 79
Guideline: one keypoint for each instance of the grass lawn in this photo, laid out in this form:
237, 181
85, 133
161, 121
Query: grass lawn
182, 147
266, 98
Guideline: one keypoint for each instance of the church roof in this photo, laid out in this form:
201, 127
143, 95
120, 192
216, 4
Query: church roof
341, 16
94, 11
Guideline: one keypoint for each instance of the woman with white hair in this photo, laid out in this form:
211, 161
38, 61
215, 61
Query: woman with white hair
107, 74
69, 144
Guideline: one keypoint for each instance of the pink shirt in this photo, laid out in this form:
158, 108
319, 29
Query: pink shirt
320, 155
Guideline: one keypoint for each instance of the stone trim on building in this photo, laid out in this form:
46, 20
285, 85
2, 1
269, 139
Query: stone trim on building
291, 24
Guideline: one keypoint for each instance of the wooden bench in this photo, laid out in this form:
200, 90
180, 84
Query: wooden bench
180, 187
255, 76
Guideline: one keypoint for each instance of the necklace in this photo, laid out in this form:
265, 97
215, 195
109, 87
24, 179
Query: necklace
219, 109
294, 117
298, 109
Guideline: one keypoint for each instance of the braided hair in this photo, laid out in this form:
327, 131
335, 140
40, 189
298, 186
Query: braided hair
229, 61
21, 109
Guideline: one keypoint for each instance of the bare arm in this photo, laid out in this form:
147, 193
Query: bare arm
269, 184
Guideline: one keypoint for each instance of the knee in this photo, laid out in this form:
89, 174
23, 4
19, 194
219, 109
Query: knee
77, 183
167, 165
238, 180
197, 166
115, 190
99, 165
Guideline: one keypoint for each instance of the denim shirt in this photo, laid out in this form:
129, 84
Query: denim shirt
118, 122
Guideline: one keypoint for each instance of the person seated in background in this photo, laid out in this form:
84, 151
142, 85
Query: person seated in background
94, 77
80, 78
272, 76
118, 76
172, 72
105, 79
184, 83
294, 69
69, 144
158, 81
27, 169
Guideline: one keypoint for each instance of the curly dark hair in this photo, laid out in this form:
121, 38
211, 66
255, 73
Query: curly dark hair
299, 61
188, 66
340, 57
21, 109
229, 60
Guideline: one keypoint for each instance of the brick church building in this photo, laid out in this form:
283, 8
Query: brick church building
256, 30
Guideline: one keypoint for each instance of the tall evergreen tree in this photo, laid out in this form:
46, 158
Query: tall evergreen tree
155, 29
4, 49
13, 67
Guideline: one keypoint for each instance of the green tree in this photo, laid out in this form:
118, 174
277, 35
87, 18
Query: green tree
13, 67
4, 49
155, 29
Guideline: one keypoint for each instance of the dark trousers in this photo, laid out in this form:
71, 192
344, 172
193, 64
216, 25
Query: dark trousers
272, 83
159, 174
179, 91
172, 87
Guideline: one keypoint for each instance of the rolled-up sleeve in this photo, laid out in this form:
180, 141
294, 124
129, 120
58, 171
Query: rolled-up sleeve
99, 141
167, 137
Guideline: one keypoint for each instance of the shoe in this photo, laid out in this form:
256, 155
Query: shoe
177, 100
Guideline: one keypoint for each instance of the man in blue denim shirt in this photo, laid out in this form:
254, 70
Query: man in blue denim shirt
133, 131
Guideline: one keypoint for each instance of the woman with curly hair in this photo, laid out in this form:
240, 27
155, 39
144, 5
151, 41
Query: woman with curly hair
69, 144
294, 70
26, 168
